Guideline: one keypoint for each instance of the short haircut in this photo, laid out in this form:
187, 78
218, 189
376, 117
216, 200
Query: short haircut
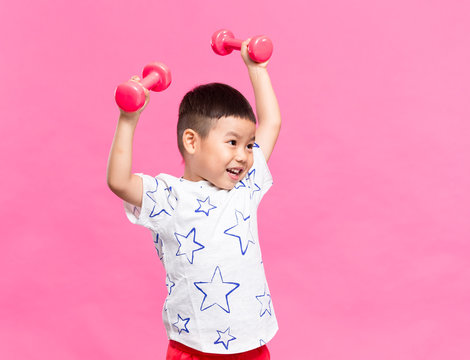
205, 104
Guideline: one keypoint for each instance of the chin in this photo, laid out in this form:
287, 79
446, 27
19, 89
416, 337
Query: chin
228, 187
225, 186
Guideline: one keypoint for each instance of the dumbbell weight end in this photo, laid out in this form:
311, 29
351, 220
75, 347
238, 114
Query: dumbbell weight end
130, 96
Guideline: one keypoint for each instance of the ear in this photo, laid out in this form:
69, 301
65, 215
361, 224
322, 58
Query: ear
190, 141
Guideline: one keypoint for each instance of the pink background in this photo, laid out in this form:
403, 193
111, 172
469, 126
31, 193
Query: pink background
365, 234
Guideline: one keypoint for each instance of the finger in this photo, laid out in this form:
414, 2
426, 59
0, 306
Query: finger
244, 48
245, 44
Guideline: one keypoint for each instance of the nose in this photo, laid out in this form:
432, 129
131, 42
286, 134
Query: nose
241, 154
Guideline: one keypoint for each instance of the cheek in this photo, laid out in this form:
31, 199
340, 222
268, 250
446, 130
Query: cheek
220, 158
250, 162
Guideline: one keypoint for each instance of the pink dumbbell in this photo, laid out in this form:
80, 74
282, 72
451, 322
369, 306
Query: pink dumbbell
260, 48
130, 96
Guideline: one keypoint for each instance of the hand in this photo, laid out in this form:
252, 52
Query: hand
246, 57
147, 98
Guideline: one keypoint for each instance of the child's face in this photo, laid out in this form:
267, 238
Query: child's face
226, 154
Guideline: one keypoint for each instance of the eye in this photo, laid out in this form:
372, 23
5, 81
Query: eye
232, 142
250, 146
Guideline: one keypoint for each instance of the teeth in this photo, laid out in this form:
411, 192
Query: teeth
236, 172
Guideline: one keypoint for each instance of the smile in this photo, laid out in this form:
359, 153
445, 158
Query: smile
234, 173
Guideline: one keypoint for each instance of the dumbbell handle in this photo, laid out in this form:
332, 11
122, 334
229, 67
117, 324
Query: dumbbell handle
233, 43
150, 80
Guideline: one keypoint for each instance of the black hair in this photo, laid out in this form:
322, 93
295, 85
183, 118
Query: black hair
205, 104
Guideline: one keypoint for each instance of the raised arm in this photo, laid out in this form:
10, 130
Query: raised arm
267, 107
119, 176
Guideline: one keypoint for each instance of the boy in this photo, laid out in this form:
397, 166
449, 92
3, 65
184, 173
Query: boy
204, 224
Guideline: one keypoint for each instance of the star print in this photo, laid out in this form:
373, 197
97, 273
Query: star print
169, 284
256, 187
157, 209
188, 245
205, 206
181, 325
240, 184
242, 231
265, 301
224, 338
262, 342
136, 211
158, 245
216, 291
171, 198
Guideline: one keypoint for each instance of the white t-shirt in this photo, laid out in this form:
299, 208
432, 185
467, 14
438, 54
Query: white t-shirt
207, 238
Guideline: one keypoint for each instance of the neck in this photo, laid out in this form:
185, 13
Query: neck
190, 174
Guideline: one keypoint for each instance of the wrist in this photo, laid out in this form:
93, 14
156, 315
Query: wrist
129, 116
257, 69
257, 74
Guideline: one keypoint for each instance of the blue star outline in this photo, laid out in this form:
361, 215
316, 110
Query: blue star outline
158, 245
265, 301
246, 184
257, 188
181, 327
240, 184
136, 211
240, 221
207, 206
213, 294
156, 210
188, 246
169, 284
171, 198
227, 337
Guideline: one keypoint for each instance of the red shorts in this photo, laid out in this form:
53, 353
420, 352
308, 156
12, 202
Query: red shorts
178, 351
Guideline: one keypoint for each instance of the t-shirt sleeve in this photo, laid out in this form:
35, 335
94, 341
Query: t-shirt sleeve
158, 202
259, 176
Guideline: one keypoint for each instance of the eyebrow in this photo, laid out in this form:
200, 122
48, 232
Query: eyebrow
233, 133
